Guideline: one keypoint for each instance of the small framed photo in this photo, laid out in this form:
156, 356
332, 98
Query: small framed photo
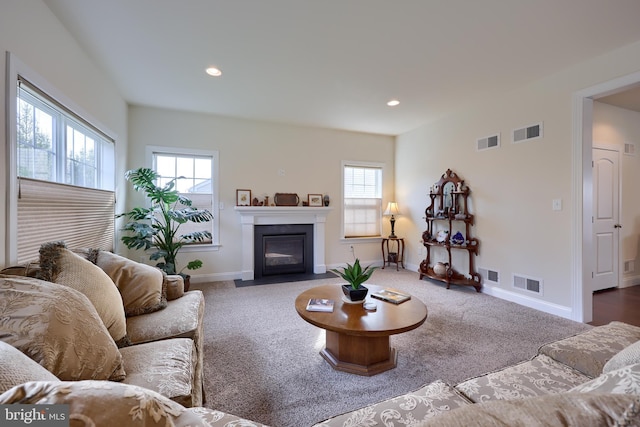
315, 199
243, 197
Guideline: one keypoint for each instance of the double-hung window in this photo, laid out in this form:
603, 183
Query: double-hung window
62, 172
362, 200
195, 173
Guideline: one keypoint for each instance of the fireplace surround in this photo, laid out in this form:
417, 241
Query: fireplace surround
250, 216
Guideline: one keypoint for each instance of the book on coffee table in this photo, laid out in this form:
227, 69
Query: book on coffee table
394, 297
320, 304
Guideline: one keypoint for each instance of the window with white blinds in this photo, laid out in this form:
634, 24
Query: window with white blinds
61, 170
362, 202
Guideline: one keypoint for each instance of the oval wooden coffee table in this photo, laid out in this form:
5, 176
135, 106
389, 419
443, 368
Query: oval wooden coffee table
358, 340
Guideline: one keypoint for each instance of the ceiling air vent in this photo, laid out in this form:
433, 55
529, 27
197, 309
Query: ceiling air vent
489, 142
489, 276
528, 133
530, 284
629, 149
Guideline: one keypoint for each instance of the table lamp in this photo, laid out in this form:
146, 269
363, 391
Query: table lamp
392, 209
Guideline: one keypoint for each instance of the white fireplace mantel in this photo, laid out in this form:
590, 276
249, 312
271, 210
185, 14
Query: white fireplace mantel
270, 215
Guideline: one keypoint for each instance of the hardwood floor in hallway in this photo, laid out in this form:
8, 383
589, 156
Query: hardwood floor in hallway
622, 304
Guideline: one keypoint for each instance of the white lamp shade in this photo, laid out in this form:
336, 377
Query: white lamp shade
392, 209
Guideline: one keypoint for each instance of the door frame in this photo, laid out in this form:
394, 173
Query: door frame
582, 189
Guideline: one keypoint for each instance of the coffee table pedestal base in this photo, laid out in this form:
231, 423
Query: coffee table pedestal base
359, 355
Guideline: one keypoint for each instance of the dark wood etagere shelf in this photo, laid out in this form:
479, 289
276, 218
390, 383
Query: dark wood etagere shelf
448, 212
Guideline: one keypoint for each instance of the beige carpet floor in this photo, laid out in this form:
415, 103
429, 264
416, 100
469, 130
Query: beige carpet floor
262, 360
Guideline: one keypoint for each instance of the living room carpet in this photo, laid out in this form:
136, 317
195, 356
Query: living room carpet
262, 362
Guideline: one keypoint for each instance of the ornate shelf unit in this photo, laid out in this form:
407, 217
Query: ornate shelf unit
447, 217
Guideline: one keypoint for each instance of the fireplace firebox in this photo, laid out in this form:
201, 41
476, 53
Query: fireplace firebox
283, 249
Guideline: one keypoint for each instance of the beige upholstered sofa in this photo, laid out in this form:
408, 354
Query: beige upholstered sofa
101, 332
590, 379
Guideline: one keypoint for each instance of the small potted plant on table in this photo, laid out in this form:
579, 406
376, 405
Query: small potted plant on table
355, 275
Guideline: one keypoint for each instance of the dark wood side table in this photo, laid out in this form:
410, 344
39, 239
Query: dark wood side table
391, 254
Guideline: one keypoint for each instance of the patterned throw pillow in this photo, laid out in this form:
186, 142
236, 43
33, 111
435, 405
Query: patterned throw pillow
629, 356
57, 327
60, 265
625, 380
16, 368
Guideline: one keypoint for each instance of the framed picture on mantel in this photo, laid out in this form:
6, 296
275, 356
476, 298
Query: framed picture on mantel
315, 199
243, 197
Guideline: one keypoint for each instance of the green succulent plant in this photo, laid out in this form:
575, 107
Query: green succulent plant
354, 274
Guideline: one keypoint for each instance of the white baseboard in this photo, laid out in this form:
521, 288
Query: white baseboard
527, 301
630, 281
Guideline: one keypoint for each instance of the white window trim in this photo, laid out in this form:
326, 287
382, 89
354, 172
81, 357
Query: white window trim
16, 67
215, 208
382, 166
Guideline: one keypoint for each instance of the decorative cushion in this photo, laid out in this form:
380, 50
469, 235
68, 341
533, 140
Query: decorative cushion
536, 377
625, 380
408, 409
60, 265
589, 351
166, 366
569, 409
107, 404
628, 356
59, 328
140, 285
16, 368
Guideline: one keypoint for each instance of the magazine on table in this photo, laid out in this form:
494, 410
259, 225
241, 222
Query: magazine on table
320, 304
394, 297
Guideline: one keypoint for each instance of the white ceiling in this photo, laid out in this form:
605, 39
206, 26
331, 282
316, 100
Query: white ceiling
335, 63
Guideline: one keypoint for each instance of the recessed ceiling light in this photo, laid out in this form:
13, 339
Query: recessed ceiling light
213, 71
393, 103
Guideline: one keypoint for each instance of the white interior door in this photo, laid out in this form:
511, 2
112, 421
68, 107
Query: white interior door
606, 225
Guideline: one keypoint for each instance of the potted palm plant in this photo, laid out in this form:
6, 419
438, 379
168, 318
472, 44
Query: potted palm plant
355, 275
158, 225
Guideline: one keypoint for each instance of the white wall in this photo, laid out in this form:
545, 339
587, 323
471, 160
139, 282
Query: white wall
29, 30
613, 127
513, 186
251, 154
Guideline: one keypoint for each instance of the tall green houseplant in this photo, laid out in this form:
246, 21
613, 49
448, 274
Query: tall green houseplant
158, 225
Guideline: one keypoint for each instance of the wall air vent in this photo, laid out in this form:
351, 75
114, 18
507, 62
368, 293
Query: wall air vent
528, 133
489, 276
629, 149
530, 284
630, 266
489, 142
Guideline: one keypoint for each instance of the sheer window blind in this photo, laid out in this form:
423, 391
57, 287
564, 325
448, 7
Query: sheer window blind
49, 211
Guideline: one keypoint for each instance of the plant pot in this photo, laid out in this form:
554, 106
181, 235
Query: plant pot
355, 294
187, 281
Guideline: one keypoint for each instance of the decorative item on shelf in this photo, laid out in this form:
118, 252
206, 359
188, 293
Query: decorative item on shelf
326, 200
355, 275
314, 199
256, 202
243, 197
286, 199
442, 236
457, 238
157, 226
440, 269
266, 200
392, 209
